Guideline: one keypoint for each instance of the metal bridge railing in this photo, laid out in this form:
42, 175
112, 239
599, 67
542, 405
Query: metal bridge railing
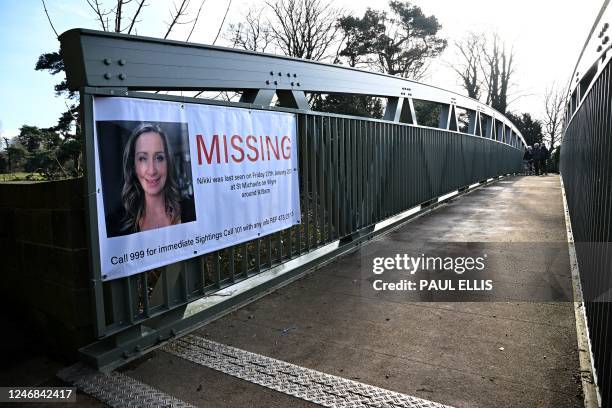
586, 168
353, 172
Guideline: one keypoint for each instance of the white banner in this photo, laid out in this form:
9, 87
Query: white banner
177, 180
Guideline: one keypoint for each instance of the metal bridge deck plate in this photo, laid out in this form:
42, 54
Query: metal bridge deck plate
116, 389
310, 385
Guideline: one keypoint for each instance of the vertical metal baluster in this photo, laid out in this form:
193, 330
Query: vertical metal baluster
413, 164
384, 169
321, 174
166, 288
258, 255
394, 168
269, 249
348, 178
315, 191
290, 242
342, 193
405, 169
232, 265
367, 157
245, 260
185, 291
354, 164
308, 141
130, 299
385, 173
362, 178
359, 175
336, 179
217, 266
378, 141
329, 178
303, 179
203, 267
145, 294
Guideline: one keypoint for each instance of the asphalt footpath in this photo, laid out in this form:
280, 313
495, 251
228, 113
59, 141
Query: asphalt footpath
514, 346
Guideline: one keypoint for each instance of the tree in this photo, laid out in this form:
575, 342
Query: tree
553, 115
401, 44
253, 34
296, 28
485, 64
359, 105
16, 155
469, 67
360, 37
530, 128
38, 149
5, 159
497, 65
4, 163
122, 17
303, 28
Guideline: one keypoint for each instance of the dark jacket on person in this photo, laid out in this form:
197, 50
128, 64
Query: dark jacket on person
528, 155
538, 153
544, 152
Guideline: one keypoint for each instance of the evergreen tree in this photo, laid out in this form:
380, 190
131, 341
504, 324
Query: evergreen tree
530, 128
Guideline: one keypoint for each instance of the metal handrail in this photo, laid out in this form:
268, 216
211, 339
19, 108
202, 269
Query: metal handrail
102, 59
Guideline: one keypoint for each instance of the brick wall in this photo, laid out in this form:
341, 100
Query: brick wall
45, 272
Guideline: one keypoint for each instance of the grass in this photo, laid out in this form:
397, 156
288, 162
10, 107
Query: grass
21, 177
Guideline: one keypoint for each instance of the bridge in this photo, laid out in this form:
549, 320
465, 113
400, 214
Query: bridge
325, 310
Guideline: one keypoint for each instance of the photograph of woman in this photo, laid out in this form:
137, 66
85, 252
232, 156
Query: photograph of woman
150, 196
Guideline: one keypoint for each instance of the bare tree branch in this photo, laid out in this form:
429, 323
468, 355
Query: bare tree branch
49, 18
253, 34
223, 21
134, 18
118, 11
178, 13
496, 65
195, 21
99, 13
303, 28
553, 116
468, 69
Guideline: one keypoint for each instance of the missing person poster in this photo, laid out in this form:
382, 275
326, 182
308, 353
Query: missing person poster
178, 180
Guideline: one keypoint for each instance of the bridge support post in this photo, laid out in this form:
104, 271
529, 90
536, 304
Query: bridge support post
444, 116
258, 96
293, 99
393, 110
472, 116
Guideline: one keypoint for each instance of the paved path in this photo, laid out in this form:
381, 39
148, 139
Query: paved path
496, 351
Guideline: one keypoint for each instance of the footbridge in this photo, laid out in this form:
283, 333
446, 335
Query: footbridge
325, 311
357, 177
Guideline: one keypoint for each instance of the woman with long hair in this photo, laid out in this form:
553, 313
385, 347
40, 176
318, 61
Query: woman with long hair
150, 193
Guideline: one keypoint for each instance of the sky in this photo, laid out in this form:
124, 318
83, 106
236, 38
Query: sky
546, 36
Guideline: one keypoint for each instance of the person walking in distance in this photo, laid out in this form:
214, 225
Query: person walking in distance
537, 158
545, 156
528, 161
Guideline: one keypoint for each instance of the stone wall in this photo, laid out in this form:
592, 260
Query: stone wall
43, 245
